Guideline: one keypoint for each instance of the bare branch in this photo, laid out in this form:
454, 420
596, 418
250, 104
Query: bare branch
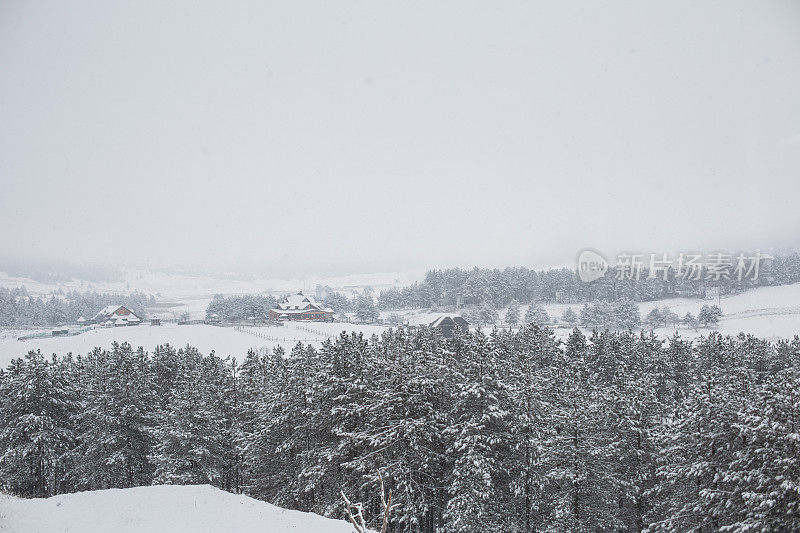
357, 518
355, 512
387, 505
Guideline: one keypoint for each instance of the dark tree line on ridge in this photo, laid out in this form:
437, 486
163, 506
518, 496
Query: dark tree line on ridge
497, 288
18, 308
512, 432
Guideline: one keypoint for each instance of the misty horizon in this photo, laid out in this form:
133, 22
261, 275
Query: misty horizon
366, 138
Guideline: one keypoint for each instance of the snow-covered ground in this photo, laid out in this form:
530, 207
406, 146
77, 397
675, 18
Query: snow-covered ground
159, 509
768, 312
223, 340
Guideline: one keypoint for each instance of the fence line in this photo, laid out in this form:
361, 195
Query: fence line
285, 338
49, 333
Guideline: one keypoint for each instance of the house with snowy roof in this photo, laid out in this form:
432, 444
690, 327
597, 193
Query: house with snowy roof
301, 307
115, 315
446, 325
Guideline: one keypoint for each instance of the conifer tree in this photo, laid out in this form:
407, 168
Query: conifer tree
569, 317
512, 314
188, 447
577, 452
525, 357
118, 414
537, 315
765, 470
402, 426
697, 445
38, 416
477, 435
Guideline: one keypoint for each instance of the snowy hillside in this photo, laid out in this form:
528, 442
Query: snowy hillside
167, 509
768, 312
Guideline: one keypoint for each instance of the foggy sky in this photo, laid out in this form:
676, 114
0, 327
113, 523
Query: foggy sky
395, 135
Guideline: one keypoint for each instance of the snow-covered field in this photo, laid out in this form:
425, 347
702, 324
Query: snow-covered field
768, 312
223, 340
159, 509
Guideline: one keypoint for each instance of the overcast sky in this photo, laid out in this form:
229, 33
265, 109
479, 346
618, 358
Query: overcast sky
396, 135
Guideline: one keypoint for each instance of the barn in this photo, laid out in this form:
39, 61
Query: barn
115, 315
301, 307
446, 325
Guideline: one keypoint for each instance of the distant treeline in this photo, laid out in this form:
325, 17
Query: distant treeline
512, 432
57, 271
18, 308
498, 288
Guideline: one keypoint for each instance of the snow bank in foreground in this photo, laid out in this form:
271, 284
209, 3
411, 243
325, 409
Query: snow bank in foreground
166, 508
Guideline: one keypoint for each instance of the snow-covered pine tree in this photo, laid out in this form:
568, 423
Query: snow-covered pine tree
709, 315
477, 435
578, 458
401, 431
38, 413
697, 444
252, 390
512, 314
690, 321
715, 352
755, 354
117, 416
787, 354
655, 319
189, 442
671, 319
341, 392
223, 397
365, 307
165, 366
626, 315
523, 358
681, 369
283, 431
634, 414
765, 470
281, 454
606, 314
569, 317
536, 314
